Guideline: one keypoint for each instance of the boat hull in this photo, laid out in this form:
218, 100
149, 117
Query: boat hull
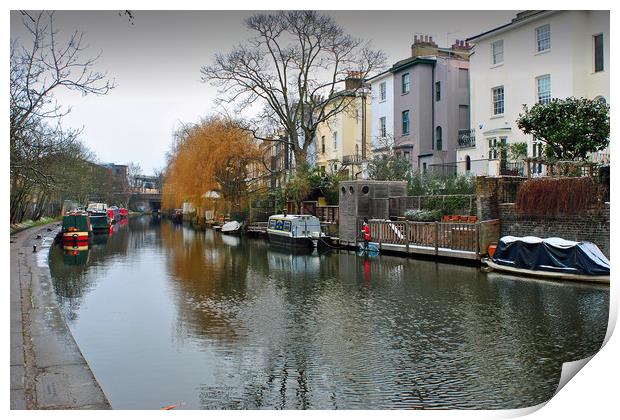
289, 241
75, 238
545, 274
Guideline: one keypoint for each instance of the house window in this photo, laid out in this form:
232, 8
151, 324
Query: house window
599, 55
543, 87
357, 149
405, 122
382, 91
467, 163
405, 83
463, 78
438, 138
322, 144
497, 51
493, 148
424, 167
407, 155
537, 154
382, 127
543, 38
498, 100
335, 140
437, 91
322, 169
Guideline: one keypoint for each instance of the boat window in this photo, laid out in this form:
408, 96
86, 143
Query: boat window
344, 190
365, 189
351, 190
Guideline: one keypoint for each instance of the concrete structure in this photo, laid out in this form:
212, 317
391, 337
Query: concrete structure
431, 103
48, 370
382, 111
356, 201
343, 143
537, 56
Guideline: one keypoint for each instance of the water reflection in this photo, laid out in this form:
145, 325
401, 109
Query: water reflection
231, 322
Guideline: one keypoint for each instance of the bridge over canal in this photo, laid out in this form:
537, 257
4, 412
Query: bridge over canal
143, 201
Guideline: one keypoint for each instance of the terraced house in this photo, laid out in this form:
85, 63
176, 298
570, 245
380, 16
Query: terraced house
342, 143
537, 56
426, 105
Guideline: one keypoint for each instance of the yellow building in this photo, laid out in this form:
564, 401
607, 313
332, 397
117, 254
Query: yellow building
343, 142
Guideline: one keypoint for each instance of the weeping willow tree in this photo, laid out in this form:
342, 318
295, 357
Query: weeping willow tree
214, 156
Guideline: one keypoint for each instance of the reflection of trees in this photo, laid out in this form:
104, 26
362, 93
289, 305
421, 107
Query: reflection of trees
210, 280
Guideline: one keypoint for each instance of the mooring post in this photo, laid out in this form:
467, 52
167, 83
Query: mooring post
436, 238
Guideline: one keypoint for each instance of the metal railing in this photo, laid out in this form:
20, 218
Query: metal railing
352, 159
467, 138
512, 168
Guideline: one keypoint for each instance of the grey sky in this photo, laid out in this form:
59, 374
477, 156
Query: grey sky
156, 64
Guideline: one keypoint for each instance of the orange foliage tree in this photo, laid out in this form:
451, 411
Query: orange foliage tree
214, 156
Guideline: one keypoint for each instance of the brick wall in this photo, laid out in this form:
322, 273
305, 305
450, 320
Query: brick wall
591, 226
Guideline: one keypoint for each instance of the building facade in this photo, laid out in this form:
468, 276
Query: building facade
382, 111
342, 143
426, 105
537, 56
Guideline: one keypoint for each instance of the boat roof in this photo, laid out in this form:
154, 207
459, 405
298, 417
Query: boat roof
293, 216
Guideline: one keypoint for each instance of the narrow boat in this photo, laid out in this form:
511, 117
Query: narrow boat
99, 218
551, 258
114, 213
231, 227
301, 231
76, 229
177, 216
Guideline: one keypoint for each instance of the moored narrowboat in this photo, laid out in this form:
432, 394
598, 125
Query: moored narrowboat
99, 218
76, 229
300, 231
551, 258
114, 214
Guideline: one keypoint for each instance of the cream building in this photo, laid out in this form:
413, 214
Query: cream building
343, 143
539, 55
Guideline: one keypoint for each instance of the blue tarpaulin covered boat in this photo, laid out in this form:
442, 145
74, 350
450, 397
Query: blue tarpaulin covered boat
550, 258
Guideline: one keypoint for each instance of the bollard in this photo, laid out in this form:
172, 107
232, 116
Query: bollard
34, 248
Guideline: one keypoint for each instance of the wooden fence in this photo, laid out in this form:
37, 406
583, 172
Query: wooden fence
442, 237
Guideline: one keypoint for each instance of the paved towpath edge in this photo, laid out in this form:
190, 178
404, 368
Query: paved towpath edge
48, 370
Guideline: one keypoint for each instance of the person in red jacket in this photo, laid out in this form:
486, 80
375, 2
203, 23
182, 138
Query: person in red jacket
366, 232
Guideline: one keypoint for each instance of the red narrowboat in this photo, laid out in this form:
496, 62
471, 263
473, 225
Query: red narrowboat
76, 229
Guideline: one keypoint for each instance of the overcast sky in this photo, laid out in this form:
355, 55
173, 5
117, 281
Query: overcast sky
156, 65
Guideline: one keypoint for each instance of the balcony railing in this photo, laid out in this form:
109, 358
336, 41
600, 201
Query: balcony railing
352, 159
467, 138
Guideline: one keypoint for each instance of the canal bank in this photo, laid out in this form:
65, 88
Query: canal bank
48, 370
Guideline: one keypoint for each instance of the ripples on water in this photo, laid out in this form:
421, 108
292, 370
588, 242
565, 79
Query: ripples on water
166, 315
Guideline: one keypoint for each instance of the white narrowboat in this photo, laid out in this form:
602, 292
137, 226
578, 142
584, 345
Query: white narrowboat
292, 230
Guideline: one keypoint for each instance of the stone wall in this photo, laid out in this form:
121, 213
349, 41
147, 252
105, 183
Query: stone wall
591, 226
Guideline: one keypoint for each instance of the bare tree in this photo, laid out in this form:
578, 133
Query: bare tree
133, 172
37, 140
296, 66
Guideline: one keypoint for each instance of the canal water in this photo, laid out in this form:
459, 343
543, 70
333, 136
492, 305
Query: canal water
166, 315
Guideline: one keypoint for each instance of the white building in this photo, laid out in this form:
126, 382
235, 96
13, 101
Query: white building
382, 110
539, 55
